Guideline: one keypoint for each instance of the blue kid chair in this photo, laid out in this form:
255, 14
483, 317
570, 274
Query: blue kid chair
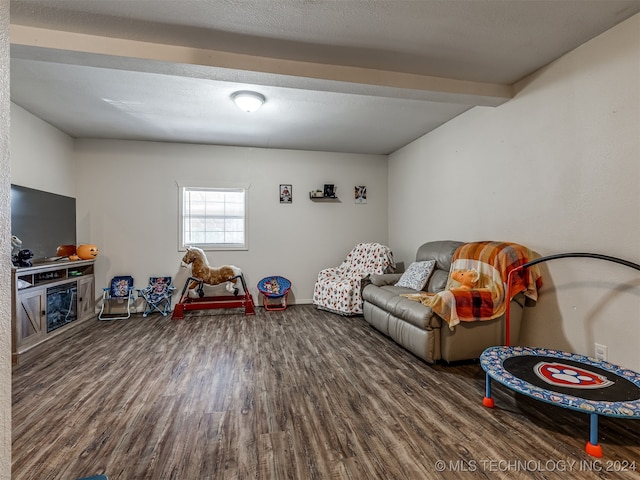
120, 291
157, 295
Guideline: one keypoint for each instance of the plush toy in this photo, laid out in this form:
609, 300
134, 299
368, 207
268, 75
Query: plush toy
466, 278
16, 246
210, 275
23, 258
272, 286
20, 257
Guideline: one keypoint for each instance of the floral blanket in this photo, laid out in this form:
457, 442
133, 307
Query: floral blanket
486, 300
338, 289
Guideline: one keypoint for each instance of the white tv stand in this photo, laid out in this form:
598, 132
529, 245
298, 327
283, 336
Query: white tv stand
49, 300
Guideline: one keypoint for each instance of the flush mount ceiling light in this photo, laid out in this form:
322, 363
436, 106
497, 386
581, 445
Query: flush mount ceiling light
248, 101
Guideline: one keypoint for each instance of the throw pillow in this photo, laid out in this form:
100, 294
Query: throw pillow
417, 275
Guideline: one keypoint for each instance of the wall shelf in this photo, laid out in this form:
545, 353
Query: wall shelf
323, 199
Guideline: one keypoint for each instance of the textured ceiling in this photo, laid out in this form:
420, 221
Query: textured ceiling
362, 76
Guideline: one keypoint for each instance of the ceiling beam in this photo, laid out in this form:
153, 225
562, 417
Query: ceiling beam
108, 52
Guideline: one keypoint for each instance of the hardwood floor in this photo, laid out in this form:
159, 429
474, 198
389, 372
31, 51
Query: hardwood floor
297, 394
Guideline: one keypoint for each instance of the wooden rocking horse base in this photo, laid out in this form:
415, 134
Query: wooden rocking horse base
208, 303
187, 303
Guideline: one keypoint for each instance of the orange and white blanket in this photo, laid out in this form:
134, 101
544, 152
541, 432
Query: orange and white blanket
486, 300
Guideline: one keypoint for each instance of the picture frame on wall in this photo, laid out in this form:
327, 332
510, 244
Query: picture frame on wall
329, 190
360, 194
286, 193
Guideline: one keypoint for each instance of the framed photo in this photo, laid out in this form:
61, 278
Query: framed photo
329, 190
286, 193
360, 194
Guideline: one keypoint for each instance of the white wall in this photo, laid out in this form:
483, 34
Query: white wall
5, 266
41, 155
557, 169
127, 202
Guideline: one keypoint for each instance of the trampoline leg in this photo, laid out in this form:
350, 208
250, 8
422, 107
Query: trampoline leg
487, 401
593, 448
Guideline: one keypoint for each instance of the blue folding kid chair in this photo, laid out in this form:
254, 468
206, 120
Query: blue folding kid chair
157, 295
120, 291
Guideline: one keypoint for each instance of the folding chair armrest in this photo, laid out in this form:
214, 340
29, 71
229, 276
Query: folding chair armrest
143, 291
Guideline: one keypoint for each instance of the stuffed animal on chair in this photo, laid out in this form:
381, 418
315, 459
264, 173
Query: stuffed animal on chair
210, 275
466, 278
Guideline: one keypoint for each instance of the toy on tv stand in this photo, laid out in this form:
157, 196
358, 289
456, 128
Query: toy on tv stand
16, 246
20, 257
23, 258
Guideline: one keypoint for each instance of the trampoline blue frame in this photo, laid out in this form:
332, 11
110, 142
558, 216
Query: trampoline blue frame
492, 360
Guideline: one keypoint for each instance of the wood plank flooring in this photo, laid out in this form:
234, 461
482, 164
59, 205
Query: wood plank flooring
296, 394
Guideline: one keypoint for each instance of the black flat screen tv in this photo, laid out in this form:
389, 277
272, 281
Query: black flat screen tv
42, 220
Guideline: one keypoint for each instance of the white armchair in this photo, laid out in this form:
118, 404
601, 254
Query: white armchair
338, 289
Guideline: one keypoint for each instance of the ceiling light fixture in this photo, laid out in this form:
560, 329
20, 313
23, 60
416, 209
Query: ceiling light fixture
248, 101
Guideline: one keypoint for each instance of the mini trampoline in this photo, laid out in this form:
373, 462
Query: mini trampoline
568, 380
274, 292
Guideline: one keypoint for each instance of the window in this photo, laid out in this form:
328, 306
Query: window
213, 218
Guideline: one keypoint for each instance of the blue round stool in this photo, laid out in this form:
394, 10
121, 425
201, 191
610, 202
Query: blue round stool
274, 288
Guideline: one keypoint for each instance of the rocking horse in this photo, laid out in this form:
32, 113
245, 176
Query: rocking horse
203, 274
201, 270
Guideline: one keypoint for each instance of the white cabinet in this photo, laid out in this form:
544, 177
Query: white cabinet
28, 317
86, 300
49, 300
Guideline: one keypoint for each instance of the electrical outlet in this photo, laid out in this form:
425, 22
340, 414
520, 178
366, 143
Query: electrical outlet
601, 351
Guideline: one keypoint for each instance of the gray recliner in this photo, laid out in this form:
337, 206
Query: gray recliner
417, 328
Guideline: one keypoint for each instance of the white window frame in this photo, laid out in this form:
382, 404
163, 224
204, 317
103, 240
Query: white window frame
183, 189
